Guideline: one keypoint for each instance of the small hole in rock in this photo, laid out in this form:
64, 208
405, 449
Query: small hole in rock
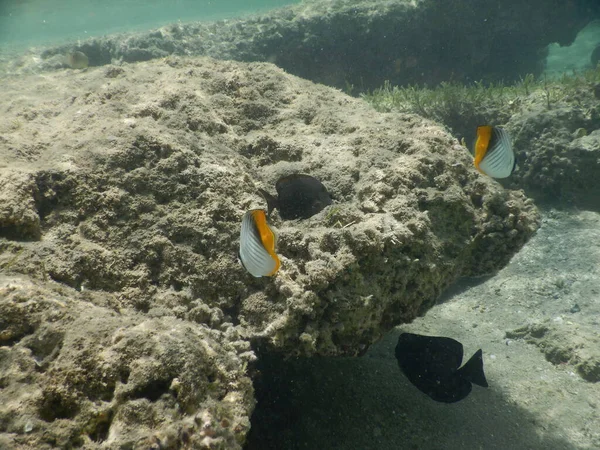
15, 336
100, 432
124, 375
153, 390
56, 406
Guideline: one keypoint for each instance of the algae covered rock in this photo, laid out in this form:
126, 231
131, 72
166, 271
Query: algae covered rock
553, 123
140, 183
168, 156
74, 374
558, 150
19, 217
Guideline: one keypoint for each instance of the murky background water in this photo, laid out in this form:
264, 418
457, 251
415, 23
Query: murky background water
40, 22
575, 57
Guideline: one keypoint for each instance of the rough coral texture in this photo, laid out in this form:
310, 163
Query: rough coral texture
557, 141
563, 165
554, 126
140, 175
364, 43
73, 374
18, 215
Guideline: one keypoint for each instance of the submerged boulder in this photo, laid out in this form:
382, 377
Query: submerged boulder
139, 180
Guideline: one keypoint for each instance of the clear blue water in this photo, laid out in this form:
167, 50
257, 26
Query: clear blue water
40, 22
575, 57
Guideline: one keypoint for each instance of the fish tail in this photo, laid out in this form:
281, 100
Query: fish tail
473, 369
271, 201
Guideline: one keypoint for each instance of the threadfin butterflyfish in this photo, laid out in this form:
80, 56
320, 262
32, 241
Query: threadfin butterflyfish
432, 364
299, 197
257, 245
493, 153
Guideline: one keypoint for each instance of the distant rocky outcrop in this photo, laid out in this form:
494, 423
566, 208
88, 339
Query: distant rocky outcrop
125, 315
359, 45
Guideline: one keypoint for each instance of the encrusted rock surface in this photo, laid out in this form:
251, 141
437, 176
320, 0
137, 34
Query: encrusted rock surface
364, 43
556, 136
554, 126
123, 189
75, 374
559, 163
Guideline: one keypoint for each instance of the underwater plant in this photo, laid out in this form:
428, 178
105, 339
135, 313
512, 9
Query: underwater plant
461, 107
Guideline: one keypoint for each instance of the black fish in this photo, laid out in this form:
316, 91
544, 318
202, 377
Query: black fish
299, 197
432, 365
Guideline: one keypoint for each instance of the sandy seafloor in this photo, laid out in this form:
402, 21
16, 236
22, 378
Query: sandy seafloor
531, 403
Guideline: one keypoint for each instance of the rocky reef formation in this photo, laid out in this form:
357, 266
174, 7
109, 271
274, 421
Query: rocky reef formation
559, 152
124, 308
75, 374
554, 124
362, 44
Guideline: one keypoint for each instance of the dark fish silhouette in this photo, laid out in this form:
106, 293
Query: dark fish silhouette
299, 197
432, 364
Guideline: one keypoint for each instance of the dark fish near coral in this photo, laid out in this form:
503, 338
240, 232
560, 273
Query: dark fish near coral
494, 155
257, 245
299, 197
432, 364
77, 60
